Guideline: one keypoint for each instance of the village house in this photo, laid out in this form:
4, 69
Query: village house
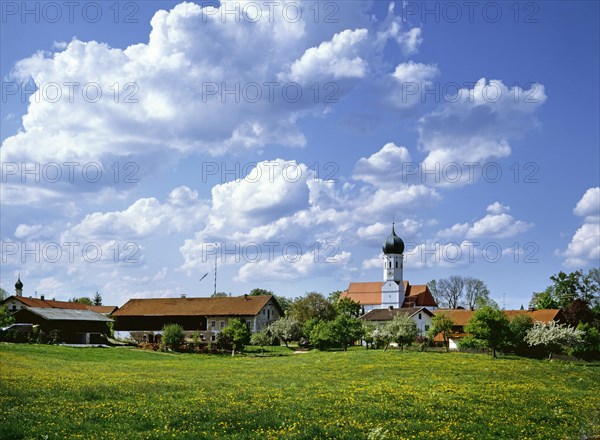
461, 317
74, 326
18, 301
394, 292
143, 319
75, 322
421, 315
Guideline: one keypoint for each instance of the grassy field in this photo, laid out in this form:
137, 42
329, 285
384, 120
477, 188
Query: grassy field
51, 392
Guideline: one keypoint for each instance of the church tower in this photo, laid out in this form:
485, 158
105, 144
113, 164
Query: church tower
19, 287
392, 290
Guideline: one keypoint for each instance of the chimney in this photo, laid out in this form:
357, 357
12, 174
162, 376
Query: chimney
183, 295
42, 297
245, 297
531, 309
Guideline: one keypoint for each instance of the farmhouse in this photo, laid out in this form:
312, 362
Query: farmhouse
18, 301
461, 318
75, 322
73, 325
143, 319
421, 315
393, 292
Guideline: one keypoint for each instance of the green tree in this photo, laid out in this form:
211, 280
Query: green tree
553, 336
97, 299
489, 325
286, 329
346, 329
402, 330
518, 327
441, 324
261, 339
544, 300
260, 292
369, 333
334, 296
313, 305
238, 333
219, 295
321, 334
284, 302
348, 307
172, 337
83, 300
589, 348
3, 294
6, 318
568, 287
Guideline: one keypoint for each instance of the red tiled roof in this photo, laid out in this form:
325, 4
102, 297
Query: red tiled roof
226, 306
104, 310
370, 293
544, 315
462, 317
48, 303
364, 293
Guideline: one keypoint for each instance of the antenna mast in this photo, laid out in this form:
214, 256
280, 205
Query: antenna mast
215, 293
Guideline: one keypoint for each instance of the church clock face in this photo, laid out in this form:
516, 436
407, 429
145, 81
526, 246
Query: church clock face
390, 273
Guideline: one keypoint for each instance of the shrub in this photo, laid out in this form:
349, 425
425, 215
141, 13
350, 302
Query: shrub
172, 337
261, 339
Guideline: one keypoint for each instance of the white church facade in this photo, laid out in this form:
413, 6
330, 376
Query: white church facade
394, 292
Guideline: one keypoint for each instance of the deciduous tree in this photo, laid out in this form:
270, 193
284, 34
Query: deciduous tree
401, 330
441, 324
261, 339
490, 325
518, 327
83, 300
237, 333
346, 329
172, 336
286, 329
348, 307
553, 336
476, 292
313, 305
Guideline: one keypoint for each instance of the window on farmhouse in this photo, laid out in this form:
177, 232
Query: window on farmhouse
222, 324
426, 328
419, 316
213, 338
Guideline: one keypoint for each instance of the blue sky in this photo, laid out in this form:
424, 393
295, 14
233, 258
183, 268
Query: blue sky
285, 137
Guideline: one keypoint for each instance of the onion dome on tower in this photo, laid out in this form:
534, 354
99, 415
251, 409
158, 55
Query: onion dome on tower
19, 287
393, 244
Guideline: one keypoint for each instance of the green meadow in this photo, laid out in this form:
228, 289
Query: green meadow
53, 392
